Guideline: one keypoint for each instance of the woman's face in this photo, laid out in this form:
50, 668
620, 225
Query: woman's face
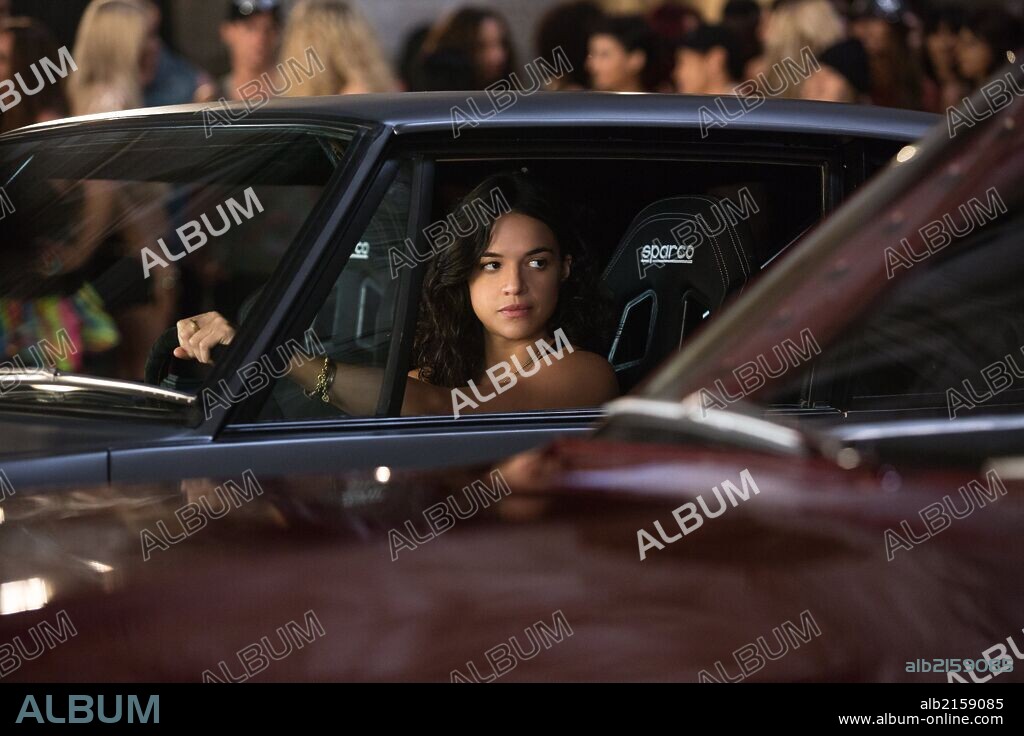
491, 56
514, 285
941, 45
611, 67
973, 55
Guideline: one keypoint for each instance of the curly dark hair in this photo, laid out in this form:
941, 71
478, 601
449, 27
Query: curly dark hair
449, 345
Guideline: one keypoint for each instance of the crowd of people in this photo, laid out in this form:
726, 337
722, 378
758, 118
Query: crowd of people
924, 54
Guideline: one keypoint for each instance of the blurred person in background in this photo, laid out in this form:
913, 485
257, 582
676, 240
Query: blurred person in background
883, 26
669, 23
344, 41
791, 27
479, 36
672, 20
444, 70
618, 53
410, 55
943, 85
708, 62
42, 296
177, 81
440, 70
742, 18
757, 64
844, 76
990, 38
252, 33
567, 26
23, 43
116, 50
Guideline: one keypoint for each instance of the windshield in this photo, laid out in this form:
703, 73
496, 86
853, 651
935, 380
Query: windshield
907, 303
108, 237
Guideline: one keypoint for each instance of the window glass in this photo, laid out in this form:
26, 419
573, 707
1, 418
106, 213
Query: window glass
108, 238
355, 323
948, 341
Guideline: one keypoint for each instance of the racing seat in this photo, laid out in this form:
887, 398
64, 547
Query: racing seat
663, 286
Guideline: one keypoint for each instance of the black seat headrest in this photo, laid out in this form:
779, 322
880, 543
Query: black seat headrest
679, 259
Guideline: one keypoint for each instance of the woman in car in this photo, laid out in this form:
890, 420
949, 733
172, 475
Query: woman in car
508, 315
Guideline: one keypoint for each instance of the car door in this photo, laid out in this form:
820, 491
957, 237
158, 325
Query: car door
362, 311
118, 228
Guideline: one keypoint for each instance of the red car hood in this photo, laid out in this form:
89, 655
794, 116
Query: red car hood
565, 539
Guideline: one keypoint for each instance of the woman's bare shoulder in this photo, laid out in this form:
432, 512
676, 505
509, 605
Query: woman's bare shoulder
587, 374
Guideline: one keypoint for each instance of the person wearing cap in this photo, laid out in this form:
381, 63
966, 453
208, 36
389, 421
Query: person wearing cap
884, 27
252, 33
708, 62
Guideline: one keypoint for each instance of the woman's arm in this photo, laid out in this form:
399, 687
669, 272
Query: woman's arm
355, 389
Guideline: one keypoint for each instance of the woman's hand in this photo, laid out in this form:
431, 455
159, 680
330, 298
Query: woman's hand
198, 335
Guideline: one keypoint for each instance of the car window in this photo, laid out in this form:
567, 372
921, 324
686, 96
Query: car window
111, 237
354, 325
948, 341
684, 237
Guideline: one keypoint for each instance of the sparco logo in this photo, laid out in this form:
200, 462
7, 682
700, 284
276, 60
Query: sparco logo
673, 253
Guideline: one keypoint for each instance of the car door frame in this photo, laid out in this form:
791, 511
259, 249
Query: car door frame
435, 440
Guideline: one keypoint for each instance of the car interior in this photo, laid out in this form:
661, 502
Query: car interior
748, 211
621, 205
655, 308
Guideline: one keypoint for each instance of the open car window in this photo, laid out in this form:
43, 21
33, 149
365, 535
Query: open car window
354, 325
108, 238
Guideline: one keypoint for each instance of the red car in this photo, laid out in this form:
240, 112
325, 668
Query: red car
824, 485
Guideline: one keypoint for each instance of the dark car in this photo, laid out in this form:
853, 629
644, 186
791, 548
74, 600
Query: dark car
826, 523
310, 223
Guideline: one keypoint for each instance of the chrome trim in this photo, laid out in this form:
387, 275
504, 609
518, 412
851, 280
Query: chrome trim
922, 428
715, 422
56, 381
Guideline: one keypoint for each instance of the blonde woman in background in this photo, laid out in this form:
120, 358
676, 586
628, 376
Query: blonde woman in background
116, 50
346, 44
789, 29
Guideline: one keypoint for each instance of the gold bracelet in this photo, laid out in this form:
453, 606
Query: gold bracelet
324, 381
325, 396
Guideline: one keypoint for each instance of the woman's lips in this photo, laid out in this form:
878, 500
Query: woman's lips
515, 312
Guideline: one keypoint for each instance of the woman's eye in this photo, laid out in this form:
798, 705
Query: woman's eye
487, 266
538, 262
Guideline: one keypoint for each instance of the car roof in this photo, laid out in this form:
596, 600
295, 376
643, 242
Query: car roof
432, 112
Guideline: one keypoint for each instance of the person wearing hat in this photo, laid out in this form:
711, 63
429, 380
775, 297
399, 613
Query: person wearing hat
252, 33
884, 27
708, 62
